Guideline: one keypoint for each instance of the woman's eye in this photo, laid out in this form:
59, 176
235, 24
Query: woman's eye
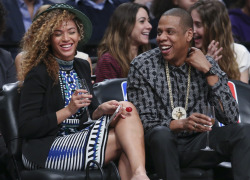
142, 21
72, 32
57, 34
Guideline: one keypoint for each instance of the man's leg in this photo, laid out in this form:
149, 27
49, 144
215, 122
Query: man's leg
162, 147
229, 142
238, 147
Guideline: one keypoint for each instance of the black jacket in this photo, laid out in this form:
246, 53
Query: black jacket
40, 99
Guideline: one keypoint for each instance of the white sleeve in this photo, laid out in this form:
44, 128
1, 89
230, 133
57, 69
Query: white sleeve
242, 57
82, 55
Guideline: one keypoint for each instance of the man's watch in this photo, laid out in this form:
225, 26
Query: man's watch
211, 72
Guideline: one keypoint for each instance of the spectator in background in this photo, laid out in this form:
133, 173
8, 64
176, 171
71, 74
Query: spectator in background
19, 17
158, 7
7, 75
212, 30
99, 13
227, 2
18, 58
240, 20
7, 66
126, 36
184, 4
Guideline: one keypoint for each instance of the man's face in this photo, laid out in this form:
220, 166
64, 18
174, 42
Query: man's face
172, 38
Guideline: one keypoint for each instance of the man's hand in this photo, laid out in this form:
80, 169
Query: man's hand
196, 122
198, 60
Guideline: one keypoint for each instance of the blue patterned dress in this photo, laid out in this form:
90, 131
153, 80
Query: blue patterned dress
73, 148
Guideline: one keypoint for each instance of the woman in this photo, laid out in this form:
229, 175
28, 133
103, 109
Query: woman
60, 137
212, 28
18, 59
126, 36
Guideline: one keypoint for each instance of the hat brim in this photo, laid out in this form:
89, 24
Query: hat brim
87, 25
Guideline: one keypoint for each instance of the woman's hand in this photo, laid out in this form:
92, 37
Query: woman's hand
214, 50
108, 108
79, 99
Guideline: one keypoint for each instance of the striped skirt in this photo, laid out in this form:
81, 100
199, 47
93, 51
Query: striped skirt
72, 152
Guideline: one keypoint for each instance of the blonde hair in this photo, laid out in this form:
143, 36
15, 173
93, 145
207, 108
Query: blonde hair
36, 43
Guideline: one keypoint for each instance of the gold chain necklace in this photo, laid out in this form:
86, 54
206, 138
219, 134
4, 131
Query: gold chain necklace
178, 112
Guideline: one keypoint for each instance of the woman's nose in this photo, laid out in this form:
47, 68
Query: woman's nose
65, 36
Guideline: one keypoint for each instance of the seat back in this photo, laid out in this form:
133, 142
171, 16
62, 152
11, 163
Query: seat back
242, 91
111, 89
9, 105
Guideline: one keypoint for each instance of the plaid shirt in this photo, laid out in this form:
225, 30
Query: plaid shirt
148, 91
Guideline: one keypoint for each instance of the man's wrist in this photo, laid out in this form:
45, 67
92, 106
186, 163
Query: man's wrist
211, 71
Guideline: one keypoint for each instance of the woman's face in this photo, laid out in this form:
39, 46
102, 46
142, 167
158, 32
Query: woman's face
142, 28
64, 40
198, 29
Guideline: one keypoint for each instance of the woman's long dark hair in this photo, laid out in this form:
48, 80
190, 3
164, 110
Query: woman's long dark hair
116, 39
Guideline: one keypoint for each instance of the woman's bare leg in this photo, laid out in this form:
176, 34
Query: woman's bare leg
113, 152
128, 137
124, 167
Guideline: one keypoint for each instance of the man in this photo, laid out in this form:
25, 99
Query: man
176, 79
18, 19
7, 75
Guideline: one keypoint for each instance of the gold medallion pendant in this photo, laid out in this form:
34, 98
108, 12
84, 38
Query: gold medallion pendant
179, 113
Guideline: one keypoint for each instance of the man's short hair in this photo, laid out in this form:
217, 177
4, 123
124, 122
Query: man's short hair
186, 19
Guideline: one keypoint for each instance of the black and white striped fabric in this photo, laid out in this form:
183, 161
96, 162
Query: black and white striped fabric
72, 152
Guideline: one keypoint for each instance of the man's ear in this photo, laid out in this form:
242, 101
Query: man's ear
189, 34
